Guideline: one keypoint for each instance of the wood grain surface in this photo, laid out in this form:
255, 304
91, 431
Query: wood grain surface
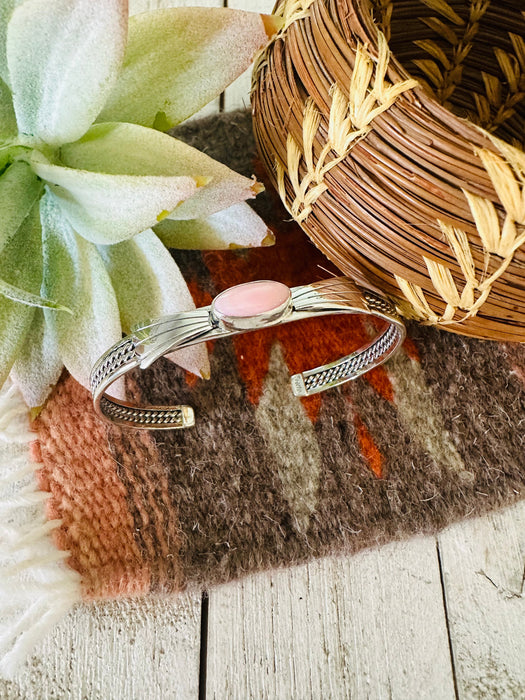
428, 618
367, 626
140, 649
483, 574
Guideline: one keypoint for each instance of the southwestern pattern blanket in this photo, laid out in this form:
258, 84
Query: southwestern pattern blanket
266, 479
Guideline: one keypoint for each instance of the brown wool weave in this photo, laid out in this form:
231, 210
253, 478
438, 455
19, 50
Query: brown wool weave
266, 479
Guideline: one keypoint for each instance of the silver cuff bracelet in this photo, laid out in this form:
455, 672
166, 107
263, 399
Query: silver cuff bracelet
245, 307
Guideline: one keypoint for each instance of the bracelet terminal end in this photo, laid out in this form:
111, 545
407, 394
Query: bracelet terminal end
188, 417
298, 387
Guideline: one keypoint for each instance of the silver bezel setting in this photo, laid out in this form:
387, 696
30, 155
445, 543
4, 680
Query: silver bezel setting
153, 339
250, 323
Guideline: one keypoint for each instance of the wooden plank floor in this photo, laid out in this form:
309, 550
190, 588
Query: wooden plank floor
368, 626
435, 618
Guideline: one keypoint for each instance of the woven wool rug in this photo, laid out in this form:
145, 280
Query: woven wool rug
265, 479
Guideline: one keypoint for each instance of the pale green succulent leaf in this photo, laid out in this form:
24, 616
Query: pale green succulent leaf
179, 59
38, 366
23, 297
19, 190
8, 128
16, 320
75, 275
10, 152
129, 149
237, 226
63, 58
106, 208
21, 266
149, 284
6, 10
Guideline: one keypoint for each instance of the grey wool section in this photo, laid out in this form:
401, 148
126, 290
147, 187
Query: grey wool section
261, 483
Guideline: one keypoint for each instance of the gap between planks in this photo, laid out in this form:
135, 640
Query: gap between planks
132, 649
407, 620
333, 626
367, 626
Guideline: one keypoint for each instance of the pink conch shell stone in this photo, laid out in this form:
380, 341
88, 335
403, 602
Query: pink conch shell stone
252, 299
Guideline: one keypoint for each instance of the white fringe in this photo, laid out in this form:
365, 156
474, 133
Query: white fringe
36, 587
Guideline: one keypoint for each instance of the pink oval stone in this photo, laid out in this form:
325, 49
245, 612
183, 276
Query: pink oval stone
252, 299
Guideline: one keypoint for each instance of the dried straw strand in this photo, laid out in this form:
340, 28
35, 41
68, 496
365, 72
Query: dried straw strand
350, 119
400, 193
446, 81
499, 243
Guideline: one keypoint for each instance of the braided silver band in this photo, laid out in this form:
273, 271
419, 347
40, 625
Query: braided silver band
151, 340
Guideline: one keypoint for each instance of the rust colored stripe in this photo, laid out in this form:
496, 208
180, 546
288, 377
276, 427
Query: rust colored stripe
369, 449
308, 344
411, 349
156, 523
88, 495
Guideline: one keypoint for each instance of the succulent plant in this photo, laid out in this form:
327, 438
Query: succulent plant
87, 174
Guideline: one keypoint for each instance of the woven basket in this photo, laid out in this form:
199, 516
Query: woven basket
394, 133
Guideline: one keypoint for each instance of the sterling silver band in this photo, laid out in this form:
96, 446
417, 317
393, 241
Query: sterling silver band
151, 340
